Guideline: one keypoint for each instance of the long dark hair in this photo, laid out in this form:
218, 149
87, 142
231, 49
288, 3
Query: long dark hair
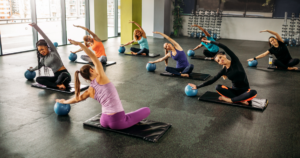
40, 57
85, 73
270, 42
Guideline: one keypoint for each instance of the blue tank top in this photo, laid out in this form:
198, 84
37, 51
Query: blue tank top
143, 43
180, 58
211, 47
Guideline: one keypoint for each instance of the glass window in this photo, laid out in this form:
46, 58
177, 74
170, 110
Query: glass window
49, 19
75, 14
16, 34
111, 18
233, 7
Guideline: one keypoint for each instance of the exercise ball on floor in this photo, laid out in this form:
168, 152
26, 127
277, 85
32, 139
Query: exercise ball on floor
62, 109
189, 91
150, 67
30, 75
190, 53
252, 63
73, 56
121, 49
55, 44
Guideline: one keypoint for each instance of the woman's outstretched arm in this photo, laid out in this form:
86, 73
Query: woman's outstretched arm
205, 32
275, 34
259, 56
176, 45
82, 97
161, 59
90, 32
139, 26
48, 41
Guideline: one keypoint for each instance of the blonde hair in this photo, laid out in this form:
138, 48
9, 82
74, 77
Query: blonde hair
85, 39
135, 36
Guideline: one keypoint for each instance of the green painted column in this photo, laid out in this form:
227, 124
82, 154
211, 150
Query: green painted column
100, 15
131, 10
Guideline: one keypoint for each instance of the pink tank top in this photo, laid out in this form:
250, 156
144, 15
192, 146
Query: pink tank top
108, 97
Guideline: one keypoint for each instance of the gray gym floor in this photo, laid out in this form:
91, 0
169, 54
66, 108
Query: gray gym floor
30, 128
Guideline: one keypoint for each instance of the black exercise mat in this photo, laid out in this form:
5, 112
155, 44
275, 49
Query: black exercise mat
257, 104
146, 129
80, 61
151, 55
199, 57
261, 68
274, 68
194, 76
71, 91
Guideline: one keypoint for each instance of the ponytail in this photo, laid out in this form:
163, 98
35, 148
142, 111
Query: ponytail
166, 61
85, 39
77, 85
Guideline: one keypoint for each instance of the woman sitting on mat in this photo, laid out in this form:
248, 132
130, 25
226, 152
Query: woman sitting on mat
102, 90
95, 43
234, 71
279, 49
48, 57
183, 68
139, 36
211, 49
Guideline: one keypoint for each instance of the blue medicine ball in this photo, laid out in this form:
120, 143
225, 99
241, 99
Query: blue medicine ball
190, 53
30, 75
189, 91
286, 41
198, 35
192, 34
150, 67
215, 36
122, 49
294, 42
73, 57
55, 44
62, 109
252, 63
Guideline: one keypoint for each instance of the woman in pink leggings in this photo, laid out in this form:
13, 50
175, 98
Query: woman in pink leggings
101, 89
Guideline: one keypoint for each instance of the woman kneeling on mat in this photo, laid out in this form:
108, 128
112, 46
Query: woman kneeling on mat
280, 50
211, 49
183, 68
139, 36
48, 57
95, 43
102, 90
233, 69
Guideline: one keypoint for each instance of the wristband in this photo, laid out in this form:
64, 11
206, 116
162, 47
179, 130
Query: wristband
254, 58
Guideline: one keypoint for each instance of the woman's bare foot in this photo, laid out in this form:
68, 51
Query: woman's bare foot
228, 100
144, 54
292, 68
61, 86
185, 75
133, 53
245, 103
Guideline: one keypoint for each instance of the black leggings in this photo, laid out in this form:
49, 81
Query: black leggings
60, 77
291, 63
208, 53
139, 51
176, 71
236, 95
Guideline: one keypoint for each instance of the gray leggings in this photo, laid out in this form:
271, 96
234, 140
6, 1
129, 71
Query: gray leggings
102, 59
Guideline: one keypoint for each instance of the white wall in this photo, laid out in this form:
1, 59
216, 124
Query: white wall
148, 16
92, 16
243, 28
159, 6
